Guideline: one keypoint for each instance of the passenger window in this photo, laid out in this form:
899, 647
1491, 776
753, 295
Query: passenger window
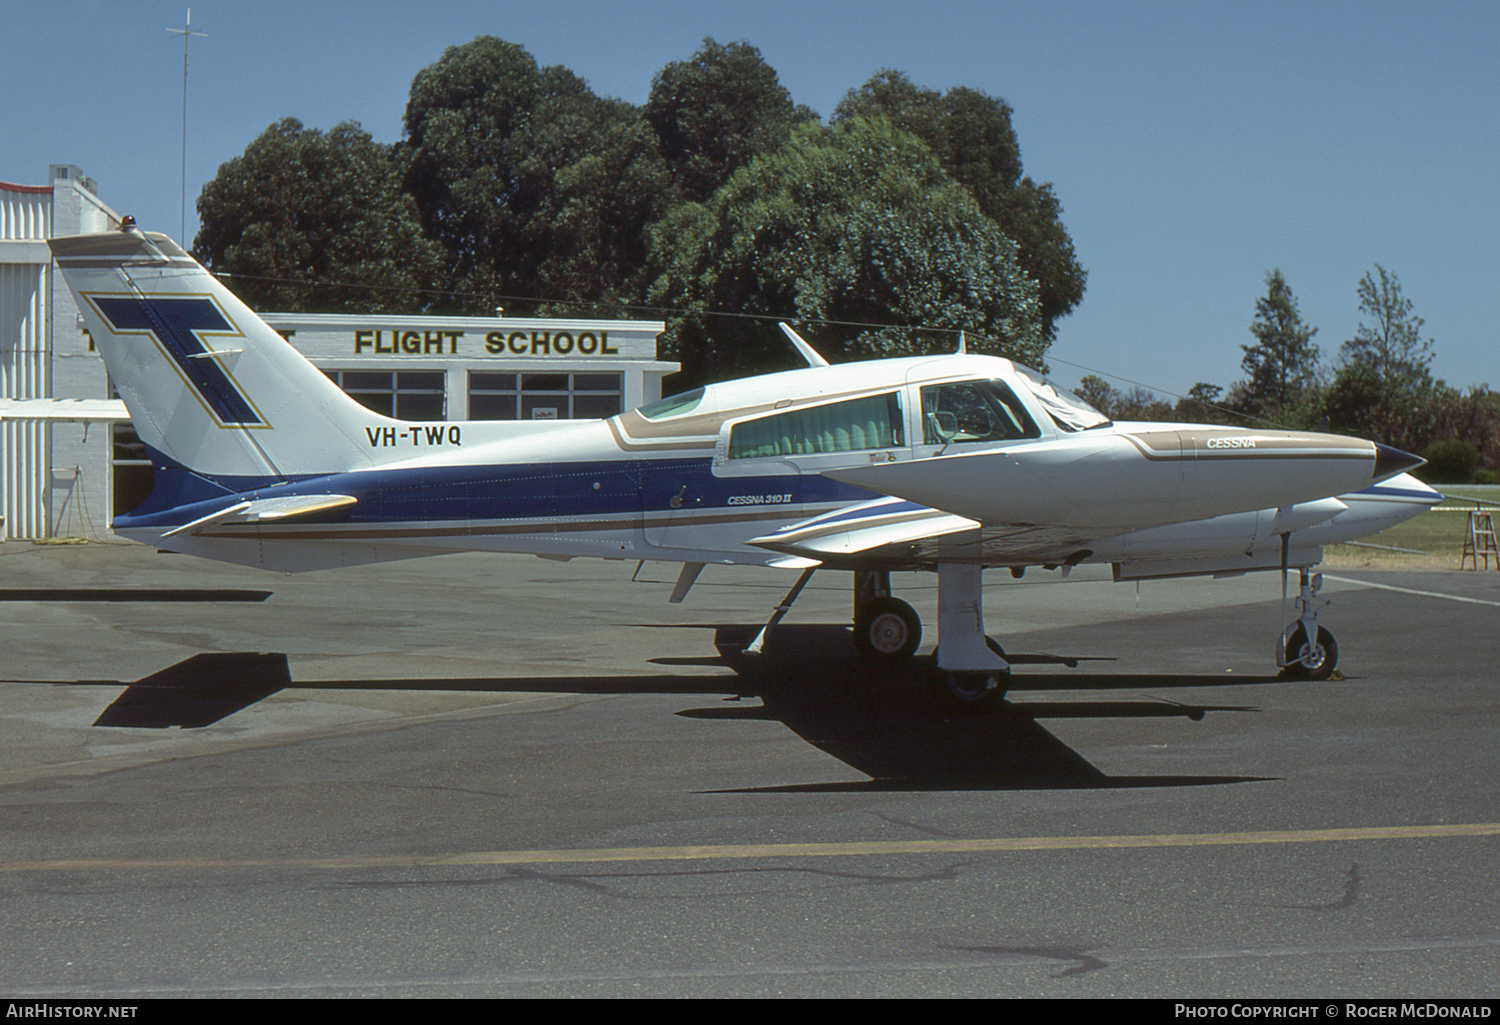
968, 411
871, 422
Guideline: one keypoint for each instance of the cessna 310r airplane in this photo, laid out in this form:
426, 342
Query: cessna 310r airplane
948, 463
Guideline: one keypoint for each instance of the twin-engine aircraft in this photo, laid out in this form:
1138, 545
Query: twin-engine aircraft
947, 463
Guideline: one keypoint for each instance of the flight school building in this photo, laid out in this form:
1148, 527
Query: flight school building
483, 368
62, 479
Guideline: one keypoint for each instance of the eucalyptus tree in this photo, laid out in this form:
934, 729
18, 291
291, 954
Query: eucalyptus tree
316, 221
856, 230
538, 190
717, 111
972, 135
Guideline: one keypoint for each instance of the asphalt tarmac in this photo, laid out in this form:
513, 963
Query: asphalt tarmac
476, 776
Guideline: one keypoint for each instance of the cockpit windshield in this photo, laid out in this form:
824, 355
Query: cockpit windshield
672, 405
1067, 410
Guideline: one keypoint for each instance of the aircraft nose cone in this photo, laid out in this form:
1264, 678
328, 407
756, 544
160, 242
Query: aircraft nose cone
1391, 461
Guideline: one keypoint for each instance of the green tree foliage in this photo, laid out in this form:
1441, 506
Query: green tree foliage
307, 220
1283, 362
1449, 462
533, 185
971, 134
1472, 416
1384, 388
1099, 393
522, 188
1204, 404
716, 112
856, 223
1137, 403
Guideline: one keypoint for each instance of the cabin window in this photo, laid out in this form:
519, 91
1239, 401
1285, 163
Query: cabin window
969, 411
870, 422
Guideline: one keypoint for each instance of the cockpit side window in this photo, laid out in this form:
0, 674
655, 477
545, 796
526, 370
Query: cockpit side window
968, 411
870, 422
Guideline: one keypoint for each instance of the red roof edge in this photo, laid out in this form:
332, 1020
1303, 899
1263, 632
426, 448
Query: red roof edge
11, 187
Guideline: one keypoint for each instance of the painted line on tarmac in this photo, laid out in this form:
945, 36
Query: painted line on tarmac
850, 849
1409, 590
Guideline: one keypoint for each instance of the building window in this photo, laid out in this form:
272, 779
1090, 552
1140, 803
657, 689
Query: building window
552, 396
402, 394
130, 468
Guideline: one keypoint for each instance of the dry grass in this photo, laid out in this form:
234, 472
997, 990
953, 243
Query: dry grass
1438, 535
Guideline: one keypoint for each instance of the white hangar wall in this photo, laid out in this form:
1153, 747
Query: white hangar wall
54, 478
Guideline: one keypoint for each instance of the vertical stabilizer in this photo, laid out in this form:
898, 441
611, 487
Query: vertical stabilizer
209, 385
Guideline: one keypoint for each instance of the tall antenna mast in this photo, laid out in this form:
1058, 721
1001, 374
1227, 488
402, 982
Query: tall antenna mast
186, 32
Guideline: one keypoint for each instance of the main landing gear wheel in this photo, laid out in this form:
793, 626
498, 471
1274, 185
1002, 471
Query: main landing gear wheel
887, 629
972, 689
969, 689
1311, 662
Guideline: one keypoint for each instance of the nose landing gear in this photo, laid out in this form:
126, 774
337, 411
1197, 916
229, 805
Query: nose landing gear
1294, 654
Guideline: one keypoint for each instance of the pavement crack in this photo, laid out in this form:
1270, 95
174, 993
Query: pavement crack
1352, 881
1079, 958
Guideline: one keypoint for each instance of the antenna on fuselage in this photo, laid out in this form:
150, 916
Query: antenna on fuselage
808, 352
963, 345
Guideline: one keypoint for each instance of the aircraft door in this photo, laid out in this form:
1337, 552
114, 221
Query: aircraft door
686, 507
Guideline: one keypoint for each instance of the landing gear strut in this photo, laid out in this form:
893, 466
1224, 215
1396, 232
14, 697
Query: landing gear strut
971, 669
1294, 654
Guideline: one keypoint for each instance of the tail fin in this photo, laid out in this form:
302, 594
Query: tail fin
209, 385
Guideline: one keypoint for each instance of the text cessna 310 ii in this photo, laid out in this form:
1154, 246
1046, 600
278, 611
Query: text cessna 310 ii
946, 463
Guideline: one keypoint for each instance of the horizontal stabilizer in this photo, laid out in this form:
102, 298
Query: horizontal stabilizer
264, 509
64, 410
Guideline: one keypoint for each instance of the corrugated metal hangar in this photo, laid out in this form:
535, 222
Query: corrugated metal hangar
61, 479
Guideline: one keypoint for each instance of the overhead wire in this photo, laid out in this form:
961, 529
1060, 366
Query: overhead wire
493, 297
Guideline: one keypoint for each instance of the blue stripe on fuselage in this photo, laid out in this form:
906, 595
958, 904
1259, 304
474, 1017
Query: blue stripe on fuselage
521, 491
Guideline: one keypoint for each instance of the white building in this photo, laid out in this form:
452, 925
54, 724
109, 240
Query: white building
54, 478
483, 368
61, 479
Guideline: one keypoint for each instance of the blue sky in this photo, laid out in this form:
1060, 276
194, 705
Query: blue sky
1194, 146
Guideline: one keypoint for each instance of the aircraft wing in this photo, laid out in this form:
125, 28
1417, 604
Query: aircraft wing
264, 509
897, 532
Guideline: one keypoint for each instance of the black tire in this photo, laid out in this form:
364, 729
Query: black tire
968, 691
887, 629
974, 689
1321, 665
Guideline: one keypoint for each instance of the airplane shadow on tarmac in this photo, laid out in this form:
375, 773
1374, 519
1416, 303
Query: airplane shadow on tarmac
890, 723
